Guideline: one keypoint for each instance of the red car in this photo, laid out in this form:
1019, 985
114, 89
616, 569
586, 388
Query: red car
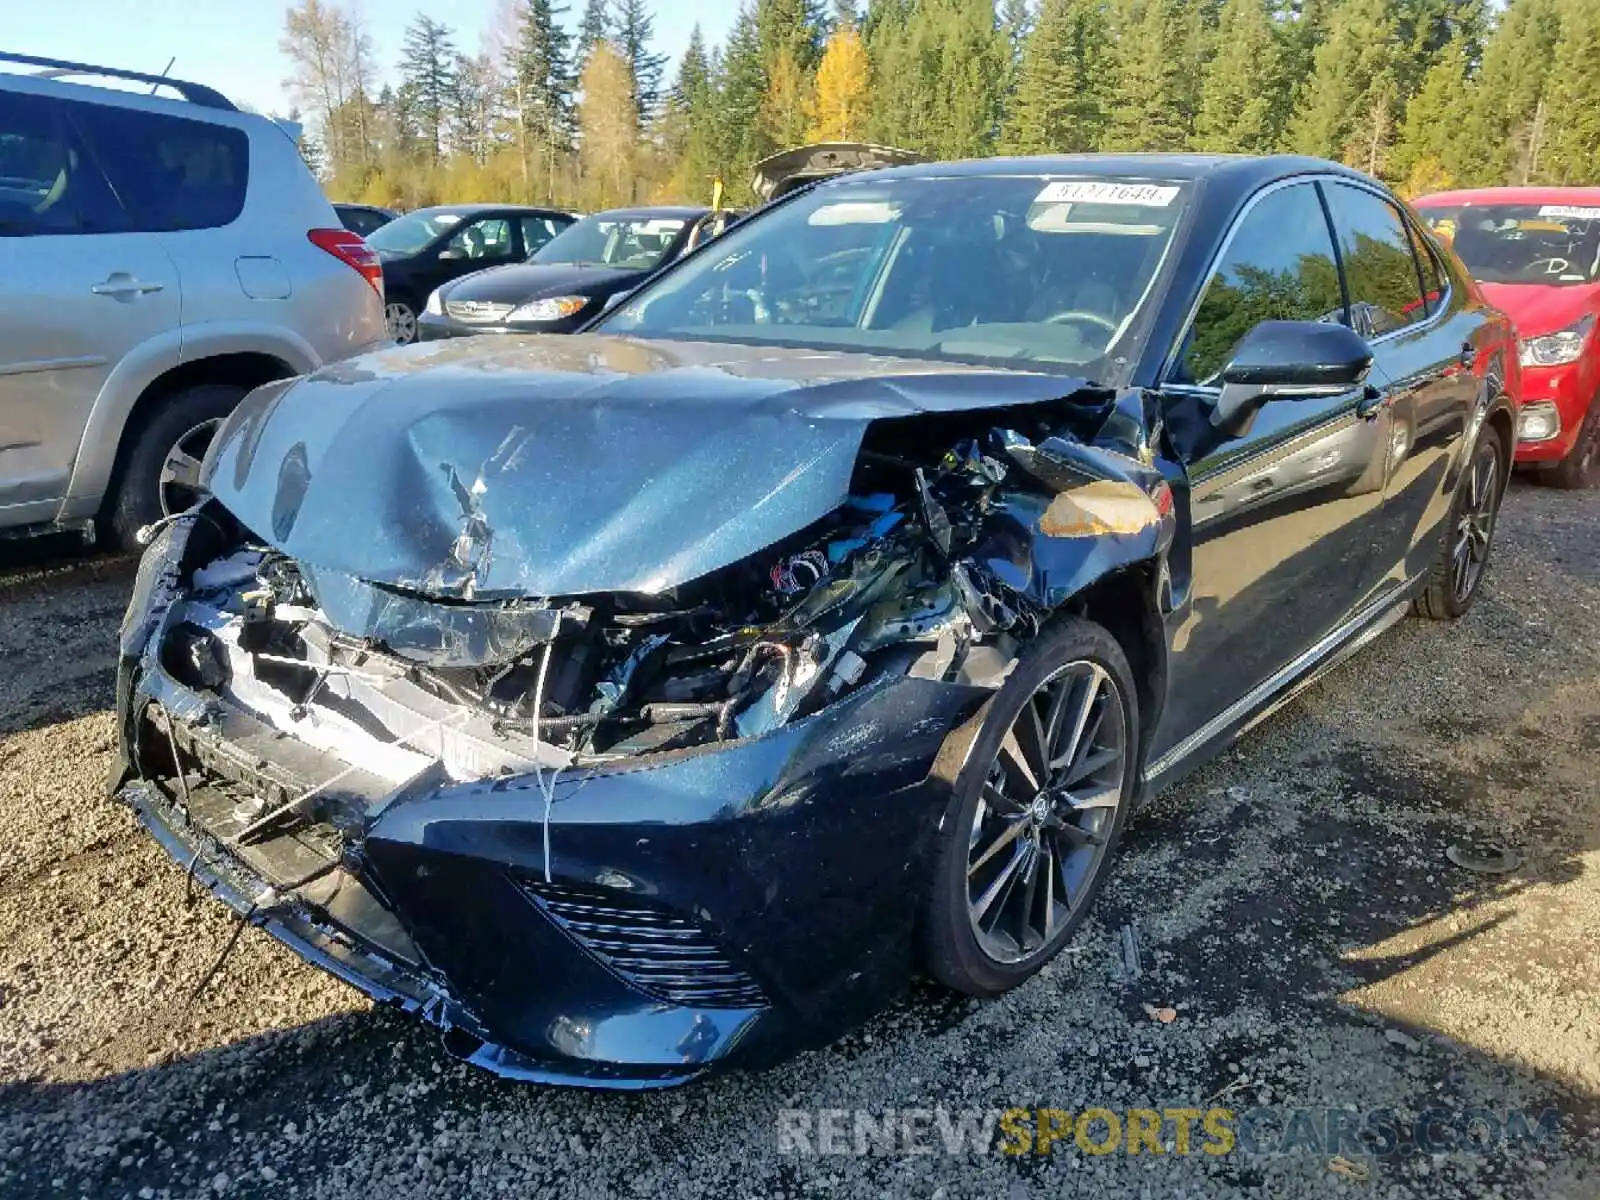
1536, 253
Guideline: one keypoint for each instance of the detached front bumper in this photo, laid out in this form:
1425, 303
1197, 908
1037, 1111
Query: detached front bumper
632, 925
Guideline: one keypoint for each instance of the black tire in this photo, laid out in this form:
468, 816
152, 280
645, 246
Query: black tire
1581, 467
955, 949
1450, 592
137, 498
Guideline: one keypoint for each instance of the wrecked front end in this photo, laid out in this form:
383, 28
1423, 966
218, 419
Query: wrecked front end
616, 837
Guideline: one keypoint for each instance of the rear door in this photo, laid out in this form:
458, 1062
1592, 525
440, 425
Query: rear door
1421, 339
1282, 515
78, 292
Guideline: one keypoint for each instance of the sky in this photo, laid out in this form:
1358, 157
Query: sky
232, 45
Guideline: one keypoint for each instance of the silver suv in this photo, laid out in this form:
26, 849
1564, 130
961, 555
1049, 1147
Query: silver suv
158, 259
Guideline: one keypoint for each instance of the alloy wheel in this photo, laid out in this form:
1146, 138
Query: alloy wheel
1047, 812
1475, 523
179, 481
400, 322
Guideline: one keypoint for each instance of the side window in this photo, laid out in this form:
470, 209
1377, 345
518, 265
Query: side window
1433, 287
489, 238
363, 221
170, 172
1279, 265
536, 231
47, 183
1380, 268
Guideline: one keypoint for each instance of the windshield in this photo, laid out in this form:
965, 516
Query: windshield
410, 233
992, 269
627, 243
1555, 244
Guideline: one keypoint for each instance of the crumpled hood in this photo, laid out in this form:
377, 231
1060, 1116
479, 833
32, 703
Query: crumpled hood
564, 466
1538, 309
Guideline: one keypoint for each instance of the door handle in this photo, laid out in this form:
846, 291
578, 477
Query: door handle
1371, 403
122, 284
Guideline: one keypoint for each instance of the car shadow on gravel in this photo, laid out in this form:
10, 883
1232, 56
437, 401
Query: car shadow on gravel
1262, 894
1285, 934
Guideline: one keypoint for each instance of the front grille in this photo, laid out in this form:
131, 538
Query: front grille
654, 949
476, 310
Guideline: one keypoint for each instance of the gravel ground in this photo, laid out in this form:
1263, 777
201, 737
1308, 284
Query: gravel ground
1295, 910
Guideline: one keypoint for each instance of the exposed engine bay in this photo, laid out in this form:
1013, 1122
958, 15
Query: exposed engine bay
927, 569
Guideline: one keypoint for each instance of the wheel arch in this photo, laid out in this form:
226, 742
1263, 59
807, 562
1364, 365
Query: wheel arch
1125, 603
245, 369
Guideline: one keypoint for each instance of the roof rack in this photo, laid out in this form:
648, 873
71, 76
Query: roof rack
55, 68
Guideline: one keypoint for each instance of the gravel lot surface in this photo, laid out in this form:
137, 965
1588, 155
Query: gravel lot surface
1295, 909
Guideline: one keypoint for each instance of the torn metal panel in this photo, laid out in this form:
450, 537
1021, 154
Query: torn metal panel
571, 465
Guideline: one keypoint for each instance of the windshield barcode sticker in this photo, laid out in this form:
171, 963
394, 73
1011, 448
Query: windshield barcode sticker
1571, 212
1086, 191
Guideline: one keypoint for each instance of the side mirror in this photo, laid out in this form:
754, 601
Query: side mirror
451, 256
1299, 360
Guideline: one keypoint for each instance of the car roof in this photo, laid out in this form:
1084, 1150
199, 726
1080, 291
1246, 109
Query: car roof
83, 88
1511, 195
468, 210
1240, 170
686, 211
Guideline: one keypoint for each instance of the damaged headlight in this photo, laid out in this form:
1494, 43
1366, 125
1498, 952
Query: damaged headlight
555, 308
155, 586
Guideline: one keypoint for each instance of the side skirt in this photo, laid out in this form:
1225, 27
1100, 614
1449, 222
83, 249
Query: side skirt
1272, 693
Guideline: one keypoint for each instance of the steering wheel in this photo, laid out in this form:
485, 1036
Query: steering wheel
54, 194
1552, 266
1070, 315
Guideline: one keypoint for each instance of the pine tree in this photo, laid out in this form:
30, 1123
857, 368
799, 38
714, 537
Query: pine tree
793, 25
786, 108
1245, 93
1572, 154
427, 76
689, 125
609, 125
634, 32
1496, 142
1426, 156
839, 108
1348, 106
939, 75
541, 83
1156, 73
1060, 104
1016, 22
472, 106
744, 88
594, 27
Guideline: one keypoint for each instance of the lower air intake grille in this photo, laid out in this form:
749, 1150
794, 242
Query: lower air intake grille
651, 947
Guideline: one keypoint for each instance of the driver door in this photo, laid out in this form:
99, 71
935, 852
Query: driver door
474, 245
1284, 515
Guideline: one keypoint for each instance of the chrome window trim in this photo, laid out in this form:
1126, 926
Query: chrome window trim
1411, 227
1164, 382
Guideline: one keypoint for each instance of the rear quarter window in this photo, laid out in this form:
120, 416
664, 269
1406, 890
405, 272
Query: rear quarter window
170, 173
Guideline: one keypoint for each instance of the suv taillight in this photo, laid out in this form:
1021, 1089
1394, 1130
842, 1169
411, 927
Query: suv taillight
349, 249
